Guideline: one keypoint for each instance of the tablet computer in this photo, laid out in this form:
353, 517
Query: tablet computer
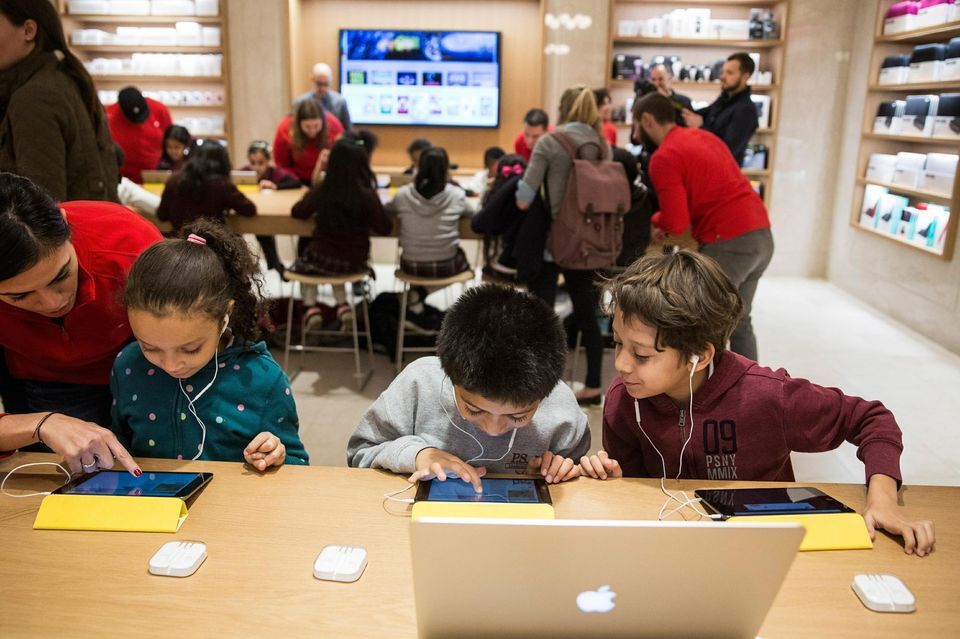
793, 500
499, 490
149, 484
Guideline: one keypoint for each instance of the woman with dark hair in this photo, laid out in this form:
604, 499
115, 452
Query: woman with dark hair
61, 320
203, 189
176, 141
429, 210
53, 129
302, 138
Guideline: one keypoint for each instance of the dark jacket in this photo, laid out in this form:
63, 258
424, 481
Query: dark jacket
46, 134
733, 120
523, 233
214, 201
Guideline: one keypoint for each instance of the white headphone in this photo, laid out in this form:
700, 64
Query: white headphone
190, 406
686, 501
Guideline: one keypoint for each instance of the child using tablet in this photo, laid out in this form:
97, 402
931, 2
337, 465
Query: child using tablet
490, 401
196, 383
684, 406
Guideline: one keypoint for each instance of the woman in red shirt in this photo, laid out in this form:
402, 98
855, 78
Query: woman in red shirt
301, 139
61, 321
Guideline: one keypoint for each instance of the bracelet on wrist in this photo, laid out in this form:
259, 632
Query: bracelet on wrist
36, 431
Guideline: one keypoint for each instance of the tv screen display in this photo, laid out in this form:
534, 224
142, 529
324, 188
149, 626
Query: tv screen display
421, 78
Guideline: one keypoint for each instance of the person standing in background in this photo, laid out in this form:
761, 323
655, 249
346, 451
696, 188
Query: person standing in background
700, 187
536, 123
732, 117
52, 126
326, 97
661, 77
137, 124
605, 107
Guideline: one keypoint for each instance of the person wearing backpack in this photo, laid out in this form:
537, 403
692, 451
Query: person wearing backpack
587, 196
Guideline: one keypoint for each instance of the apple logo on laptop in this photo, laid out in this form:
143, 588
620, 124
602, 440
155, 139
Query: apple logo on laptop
599, 600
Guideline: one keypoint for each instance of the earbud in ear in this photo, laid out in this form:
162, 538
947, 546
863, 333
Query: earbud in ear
694, 360
226, 323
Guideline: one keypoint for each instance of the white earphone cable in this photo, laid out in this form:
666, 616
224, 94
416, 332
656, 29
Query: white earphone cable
42, 494
479, 456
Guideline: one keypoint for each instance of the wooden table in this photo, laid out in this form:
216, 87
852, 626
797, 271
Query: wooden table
264, 532
273, 213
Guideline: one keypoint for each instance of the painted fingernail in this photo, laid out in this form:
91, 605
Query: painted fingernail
137, 472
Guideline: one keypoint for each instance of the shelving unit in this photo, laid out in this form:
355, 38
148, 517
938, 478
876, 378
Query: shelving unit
113, 82
699, 51
871, 142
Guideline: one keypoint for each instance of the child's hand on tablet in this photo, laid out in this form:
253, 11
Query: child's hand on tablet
433, 462
554, 468
600, 466
264, 451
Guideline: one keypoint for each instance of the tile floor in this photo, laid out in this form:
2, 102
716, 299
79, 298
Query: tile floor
809, 327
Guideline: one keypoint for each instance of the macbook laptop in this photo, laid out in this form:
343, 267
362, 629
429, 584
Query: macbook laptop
238, 176
577, 578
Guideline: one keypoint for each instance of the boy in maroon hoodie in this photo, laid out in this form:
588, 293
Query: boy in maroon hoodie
672, 316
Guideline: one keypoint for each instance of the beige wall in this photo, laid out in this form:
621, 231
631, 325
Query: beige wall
259, 70
314, 34
919, 290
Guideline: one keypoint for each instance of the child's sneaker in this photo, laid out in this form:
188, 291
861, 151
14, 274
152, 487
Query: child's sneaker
345, 316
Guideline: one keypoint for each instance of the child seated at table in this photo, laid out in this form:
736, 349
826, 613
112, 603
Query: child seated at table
429, 210
480, 182
176, 141
269, 175
490, 401
672, 317
196, 383
414, 149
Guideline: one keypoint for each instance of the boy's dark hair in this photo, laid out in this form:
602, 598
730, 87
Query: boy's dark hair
745, 62
503, 344
492, 154
537, 117
181, 277
31, 225
208, 161
432, 172
684, 295
419, 144
657, 105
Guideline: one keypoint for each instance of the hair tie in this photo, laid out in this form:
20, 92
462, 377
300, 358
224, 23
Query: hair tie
196, 239
59, 55
515, 169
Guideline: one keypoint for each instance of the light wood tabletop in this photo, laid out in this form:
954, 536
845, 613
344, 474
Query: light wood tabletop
263, 533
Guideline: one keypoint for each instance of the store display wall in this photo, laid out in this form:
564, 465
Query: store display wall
922, 291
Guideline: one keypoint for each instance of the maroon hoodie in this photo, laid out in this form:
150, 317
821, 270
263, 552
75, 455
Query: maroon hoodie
747, 421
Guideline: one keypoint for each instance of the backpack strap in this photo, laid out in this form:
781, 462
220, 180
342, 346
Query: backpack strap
574, 151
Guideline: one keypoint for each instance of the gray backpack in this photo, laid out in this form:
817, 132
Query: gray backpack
588, 230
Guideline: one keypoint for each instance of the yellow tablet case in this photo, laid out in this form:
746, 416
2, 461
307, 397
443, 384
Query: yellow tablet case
111, 513
482, 510
834, 531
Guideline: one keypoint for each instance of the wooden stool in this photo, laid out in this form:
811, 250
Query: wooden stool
347, 281
433, 282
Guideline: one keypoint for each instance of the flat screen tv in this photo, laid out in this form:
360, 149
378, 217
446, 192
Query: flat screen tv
421, 78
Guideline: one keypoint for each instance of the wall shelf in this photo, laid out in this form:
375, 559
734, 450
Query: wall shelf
144, 48
699, 42
909, 139
125, 20
941, 32
929, 196
169, 79
906, 88
701, 86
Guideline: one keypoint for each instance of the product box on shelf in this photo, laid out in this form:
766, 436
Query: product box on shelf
880, 167
730, 29
926, 62
762, 103
947, 123
130, 7
172, 7
208, 8
889, 211
755, 157
652, 28
931, 226
629, 28
950, 71
933, 12
907, 169
919, 114
889, 120
871, 200
895, 69
938, 173
900, 17
89, 7
904, 226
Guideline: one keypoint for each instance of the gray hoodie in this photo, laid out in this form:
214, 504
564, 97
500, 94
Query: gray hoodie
430, 228
416, 411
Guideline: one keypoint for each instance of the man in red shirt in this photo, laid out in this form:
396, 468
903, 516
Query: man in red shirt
536, 124
699, 185
137, 124
62, 320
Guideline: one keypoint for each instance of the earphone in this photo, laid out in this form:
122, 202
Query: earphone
10, 474
479, 456
686, 502
190, 406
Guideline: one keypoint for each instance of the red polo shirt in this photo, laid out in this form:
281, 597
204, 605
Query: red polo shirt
699, 183
80, 347
301, 163
142, 143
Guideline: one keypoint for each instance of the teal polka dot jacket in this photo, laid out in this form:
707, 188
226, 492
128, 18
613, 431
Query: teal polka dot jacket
251, 394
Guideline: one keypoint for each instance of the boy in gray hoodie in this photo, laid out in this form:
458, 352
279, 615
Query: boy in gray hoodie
491, 401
